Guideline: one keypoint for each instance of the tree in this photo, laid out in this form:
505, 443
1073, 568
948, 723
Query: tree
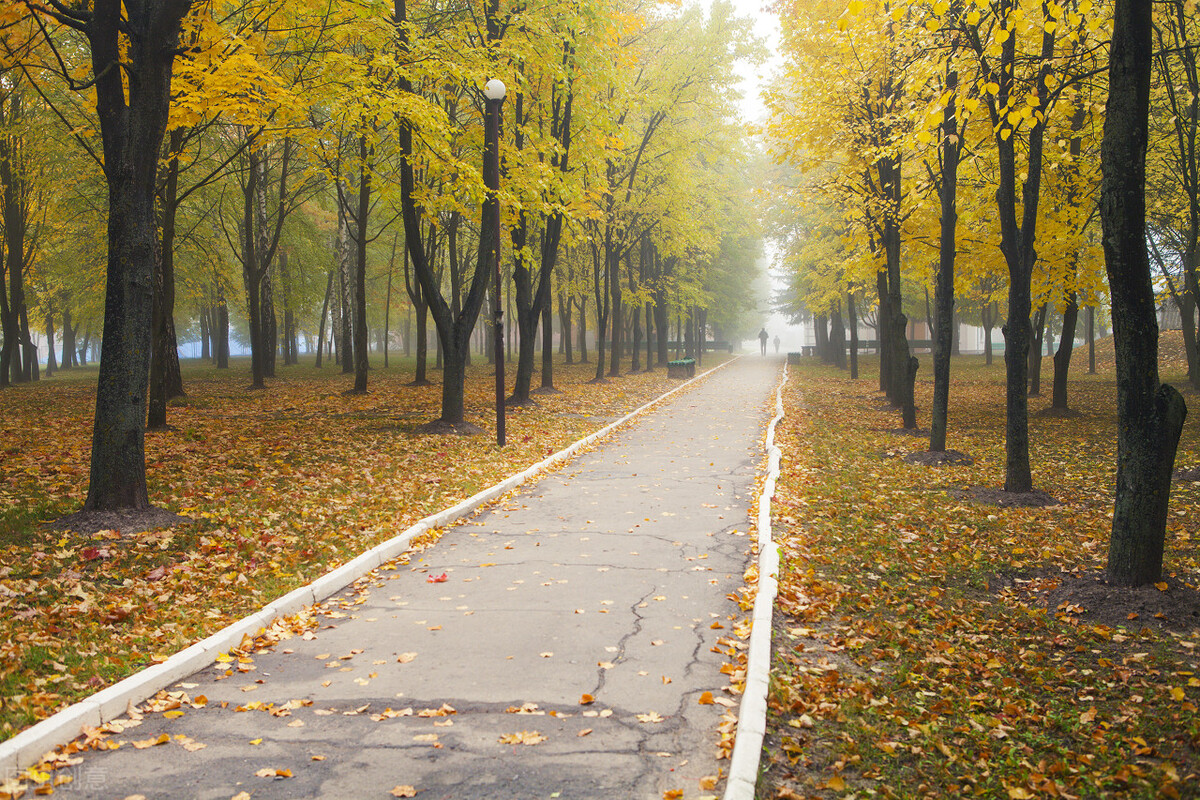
132, 49
1150, 415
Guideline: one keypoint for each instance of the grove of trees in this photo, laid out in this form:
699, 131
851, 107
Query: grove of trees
956, 145
300, 175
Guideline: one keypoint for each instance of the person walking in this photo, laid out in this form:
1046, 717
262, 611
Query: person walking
762, 339
776, 345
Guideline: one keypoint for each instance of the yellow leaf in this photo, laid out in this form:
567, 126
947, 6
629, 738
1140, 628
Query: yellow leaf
836, 783
1177, 694
404, 791
706, 699
173, 714
586, 700
1161, 586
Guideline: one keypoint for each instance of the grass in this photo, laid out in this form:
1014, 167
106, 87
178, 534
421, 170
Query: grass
919, 649
282, 485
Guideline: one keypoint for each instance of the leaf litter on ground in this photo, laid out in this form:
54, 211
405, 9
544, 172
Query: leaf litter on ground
933, 645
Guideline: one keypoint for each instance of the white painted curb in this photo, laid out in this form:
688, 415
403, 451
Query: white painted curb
752, 713
27, 748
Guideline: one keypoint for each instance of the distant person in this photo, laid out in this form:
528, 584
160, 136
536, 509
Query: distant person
762, 340
776, 345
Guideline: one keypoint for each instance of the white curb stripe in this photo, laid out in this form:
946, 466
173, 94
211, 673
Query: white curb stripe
752, 713
27, 748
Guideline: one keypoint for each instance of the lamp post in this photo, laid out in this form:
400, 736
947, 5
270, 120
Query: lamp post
494, 91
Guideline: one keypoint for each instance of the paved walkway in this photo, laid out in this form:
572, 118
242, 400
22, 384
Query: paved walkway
609, 578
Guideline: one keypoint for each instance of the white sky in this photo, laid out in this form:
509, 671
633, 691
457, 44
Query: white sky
766, 27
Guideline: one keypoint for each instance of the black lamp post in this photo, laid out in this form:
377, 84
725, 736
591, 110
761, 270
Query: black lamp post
494, 91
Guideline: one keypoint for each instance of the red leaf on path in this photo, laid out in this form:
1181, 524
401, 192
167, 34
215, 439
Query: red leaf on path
156, 574
250, 484
437, 578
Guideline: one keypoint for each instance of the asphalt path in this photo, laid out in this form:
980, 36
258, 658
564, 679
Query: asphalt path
608, 580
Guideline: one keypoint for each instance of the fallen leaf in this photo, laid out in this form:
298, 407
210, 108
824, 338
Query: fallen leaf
404, 791
523, 737
706, 699
584, 732
143, 744
586, 700
651, 716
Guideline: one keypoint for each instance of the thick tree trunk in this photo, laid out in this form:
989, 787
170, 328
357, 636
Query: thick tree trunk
132, 130
1150, 415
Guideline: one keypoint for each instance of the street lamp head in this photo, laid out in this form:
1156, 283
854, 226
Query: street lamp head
494, 89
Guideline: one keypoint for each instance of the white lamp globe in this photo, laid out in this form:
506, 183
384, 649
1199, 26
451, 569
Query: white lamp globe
494, 89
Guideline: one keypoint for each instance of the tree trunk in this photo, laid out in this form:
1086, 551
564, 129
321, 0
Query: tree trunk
565, 324
68, 341
222, 340
649, 337
837, 338
132, 132
50, 365
583, 348
361, 364
345, 293
602, 305
1062, 358
853, 335
163, 347
1150, 415
613, 266
1035, 350
943, 331
324, 316
1091, 340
